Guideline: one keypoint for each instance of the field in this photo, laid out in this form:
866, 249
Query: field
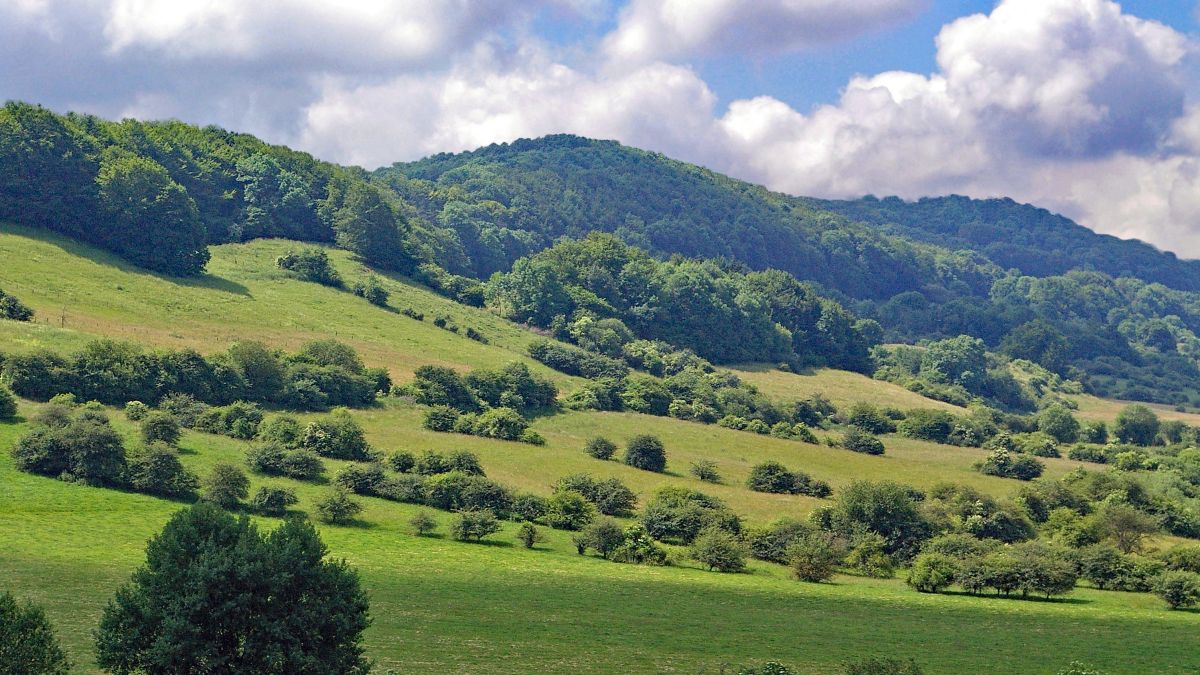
443, 606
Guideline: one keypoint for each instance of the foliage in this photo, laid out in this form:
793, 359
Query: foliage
932, 572
160, 427
603, 535
372, 291
857, 440
678, 514
212, 586
775, 477
647, 453
156, 470
422, 523
28, 645
338, 436
568, 510
876, 665
8, 404
705, 470
815, 556
1178, 589
474, 525
12, 309
600, 448
225, 486
1136, 424
273, 501
336, 507
1001, 462
528, 535
83, 448
718, 550
310, 264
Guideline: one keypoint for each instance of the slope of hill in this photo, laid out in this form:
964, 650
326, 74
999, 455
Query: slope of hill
68, 546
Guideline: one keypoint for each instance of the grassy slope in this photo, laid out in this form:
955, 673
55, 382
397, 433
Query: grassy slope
840, 386
498, 607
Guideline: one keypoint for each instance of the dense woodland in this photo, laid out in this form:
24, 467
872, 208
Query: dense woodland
686, 261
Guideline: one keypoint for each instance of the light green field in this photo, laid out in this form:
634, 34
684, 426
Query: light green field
840, 386
443, 606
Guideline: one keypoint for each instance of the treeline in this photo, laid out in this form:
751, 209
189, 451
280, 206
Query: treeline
725, 315
157, 193
322, 374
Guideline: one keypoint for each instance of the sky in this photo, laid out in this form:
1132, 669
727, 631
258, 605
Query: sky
1086, 107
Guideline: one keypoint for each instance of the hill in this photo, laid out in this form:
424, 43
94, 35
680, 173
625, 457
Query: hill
442, 605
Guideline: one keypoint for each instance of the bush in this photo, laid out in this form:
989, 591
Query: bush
869, 418
857, 440
883, 666
932, 572
474, 525
13, 309
337, 436
718, 550
776, 478
569, 510
161, 427
157, 470
679, 514
1178, 589
647, 453
226, 486
282, 429
1001, 463
1088, 453
1136, 424
528, 535
273, 501
361, 480
402, 461
135, 411
336, 507
603, 535
372, 291
1059, 424
927, 425
705, 470
505, 424
310, 264
815, 556
8, 404
84, 449
28, 645
528, 507
422, 523
575, 361
600, 448
1183, 557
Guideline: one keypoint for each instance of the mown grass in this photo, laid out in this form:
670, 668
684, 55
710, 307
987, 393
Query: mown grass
442, 606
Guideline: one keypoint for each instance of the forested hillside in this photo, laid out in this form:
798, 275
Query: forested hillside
684, 266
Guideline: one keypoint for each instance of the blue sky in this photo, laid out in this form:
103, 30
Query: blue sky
1086, 107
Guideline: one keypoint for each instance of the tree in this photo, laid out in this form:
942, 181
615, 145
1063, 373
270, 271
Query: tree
474, 525
84, 448
931, 572
337, 508
705, 470
161, 427
1126, 526
215, 594
1178, 589
600, 448
8, 404
28, 645
422, 523
226, 485
885, 508
366, 225
273, 501
1059, 423
149, 218
771, 477
647, 453
815, 556
528, 535
1136, 424
718, 550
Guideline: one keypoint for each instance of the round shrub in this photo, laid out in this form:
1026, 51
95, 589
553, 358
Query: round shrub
441, 418
135, 411
647, 453
161, 427
718, 550
337, 508
600, 448
857, 440
932, 572
1178, 589
226, 486
273, 501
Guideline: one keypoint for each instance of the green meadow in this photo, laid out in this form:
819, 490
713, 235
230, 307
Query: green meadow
444, 606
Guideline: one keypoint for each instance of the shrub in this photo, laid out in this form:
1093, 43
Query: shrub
1059, 424
680, 514
135, 411
361, 480
183, 407
705, 470
27, 641
647, 453
931, 572
1136, 424
869, 418
13, 309
441, 418
83, 449
1183, 557
569, 510
1001, 463
529, 507
528, 535
372, 291
282, 429
226, 486
402, 461
603, 535
160, 427
156, 470
610, 496
474, 525
337, 436
600, 448
1178, 589
310, 264
502, 423
883, 666
815, 556
273, 501
857, 440
422, 523
1088, 453
928, 425
8, 404
776, 478
336, 507
639, 548
575, 361
718, 550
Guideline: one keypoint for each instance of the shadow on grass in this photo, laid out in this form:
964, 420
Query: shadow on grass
1020, 598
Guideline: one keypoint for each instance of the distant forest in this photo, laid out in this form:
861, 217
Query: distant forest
684, 259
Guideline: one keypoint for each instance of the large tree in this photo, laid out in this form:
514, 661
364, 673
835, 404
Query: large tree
216, 595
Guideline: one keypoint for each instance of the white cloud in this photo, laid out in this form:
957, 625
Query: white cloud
669, 29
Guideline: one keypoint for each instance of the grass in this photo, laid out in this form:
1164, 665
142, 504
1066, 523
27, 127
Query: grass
442, 606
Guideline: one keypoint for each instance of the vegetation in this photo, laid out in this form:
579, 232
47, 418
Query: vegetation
27, 640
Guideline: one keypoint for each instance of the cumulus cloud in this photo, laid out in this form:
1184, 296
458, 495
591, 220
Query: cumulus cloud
670, 29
